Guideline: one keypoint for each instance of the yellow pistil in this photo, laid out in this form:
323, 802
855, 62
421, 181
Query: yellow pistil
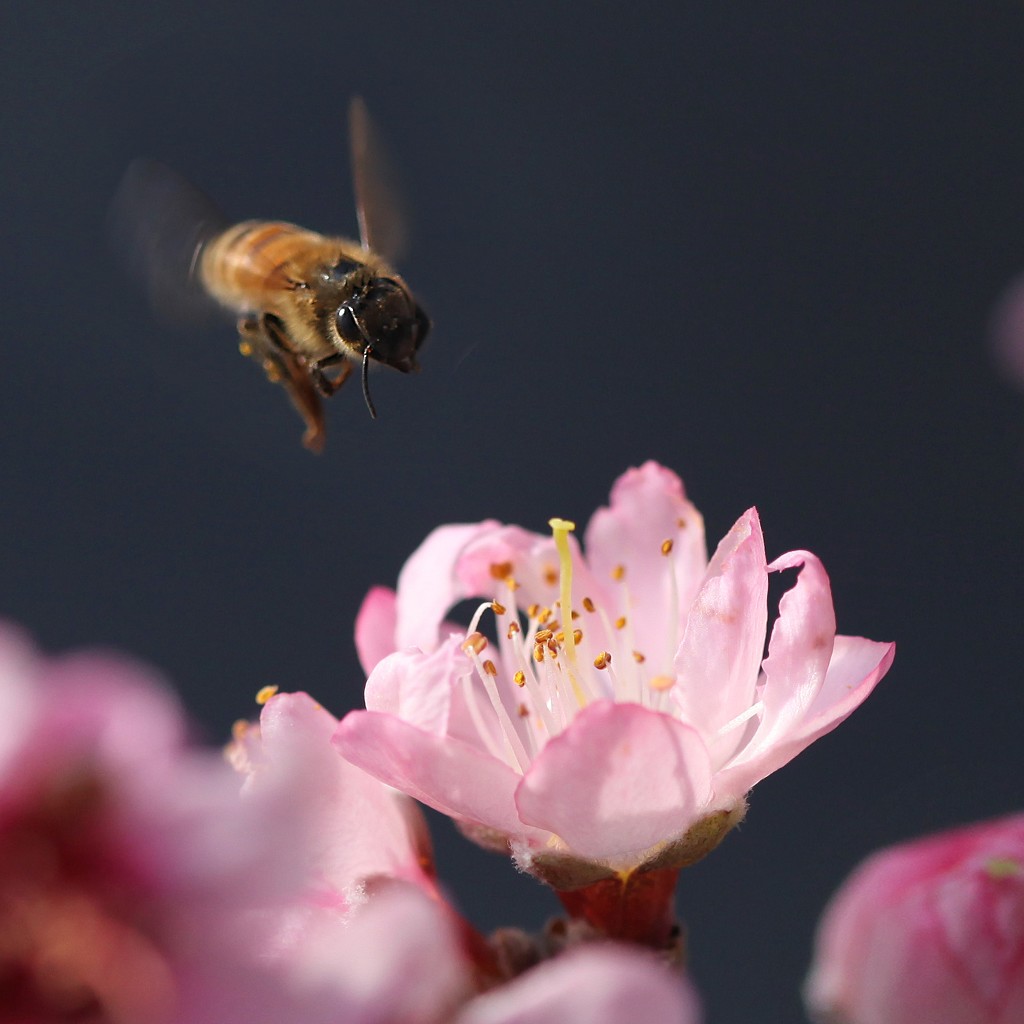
561, 528
265, 693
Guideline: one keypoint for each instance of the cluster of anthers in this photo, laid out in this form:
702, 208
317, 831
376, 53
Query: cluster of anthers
558, 670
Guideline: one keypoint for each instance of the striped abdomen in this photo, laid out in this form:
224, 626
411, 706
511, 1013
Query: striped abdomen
249, 266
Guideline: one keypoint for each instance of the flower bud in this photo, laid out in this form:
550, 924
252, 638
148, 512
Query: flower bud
932, 930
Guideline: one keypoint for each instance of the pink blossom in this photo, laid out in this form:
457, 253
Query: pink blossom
629, 740
351, 828
130, 870
598, 984
932, 930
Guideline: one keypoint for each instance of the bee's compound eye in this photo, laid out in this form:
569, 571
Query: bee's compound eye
347, 326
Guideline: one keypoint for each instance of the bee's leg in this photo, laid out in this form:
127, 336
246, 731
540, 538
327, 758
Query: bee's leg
328, 385
264, 339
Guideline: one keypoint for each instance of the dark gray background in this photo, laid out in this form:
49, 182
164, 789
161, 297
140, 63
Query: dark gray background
759, 242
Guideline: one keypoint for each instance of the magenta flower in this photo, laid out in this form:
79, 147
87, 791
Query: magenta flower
932, 930
130, 870
626, 734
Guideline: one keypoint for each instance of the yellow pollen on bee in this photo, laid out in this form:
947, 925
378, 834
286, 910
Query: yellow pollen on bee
662, 683
639, 658
603, 660
666, 546
475, 643
498, 608
500, 570
519, 678
265, 693
588, 605
619, 573
550, 575
245, 348
620, 622
490, 668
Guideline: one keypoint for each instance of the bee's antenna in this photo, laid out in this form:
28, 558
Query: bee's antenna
366, 382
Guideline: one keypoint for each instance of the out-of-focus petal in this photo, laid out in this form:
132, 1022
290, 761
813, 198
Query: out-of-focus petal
932, 930
620, 780
595, 985
376, 624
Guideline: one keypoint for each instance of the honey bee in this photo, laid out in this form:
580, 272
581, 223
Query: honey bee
310, 306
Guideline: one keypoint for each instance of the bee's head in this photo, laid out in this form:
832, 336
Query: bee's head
384, 322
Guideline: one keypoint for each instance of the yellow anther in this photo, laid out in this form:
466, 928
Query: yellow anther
662, 683
513, 628
550, 575
497, 608
588, 605
475, 643
577, 635
519, 678
538, 653
524, 711
619, 573
666, 546
603, 660
265, 693
490, 668
543, 636
240, 729
639, 658
501, 570
620, 622
533, 610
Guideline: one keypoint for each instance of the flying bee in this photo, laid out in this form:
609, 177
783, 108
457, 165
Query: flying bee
310, 306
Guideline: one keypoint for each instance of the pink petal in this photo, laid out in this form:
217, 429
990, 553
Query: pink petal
428, 584
416, 686
444, 773
647, 506
719, 660
855, 668
354, 827
798, 659
618, 780
375, 627
603, 984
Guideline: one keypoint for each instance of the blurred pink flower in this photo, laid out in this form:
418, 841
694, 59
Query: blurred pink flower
348, 827
625, 736
932, 930
596, 984
130, 870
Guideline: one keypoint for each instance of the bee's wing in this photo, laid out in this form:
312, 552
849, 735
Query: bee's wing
382, 219
158, 223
